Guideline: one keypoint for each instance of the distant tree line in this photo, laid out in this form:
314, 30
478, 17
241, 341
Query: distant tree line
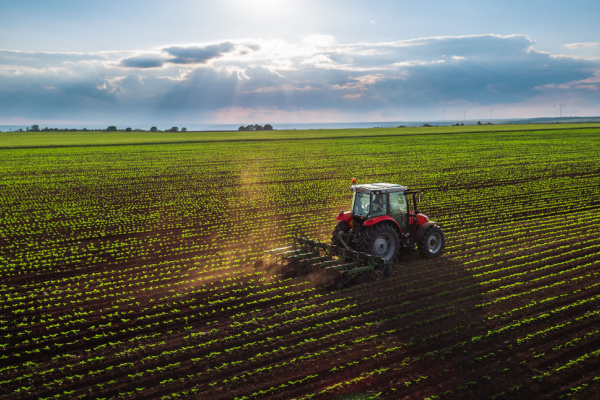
111, 128
256, 127
36, 128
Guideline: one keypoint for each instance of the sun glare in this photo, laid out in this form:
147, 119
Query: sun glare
262, 8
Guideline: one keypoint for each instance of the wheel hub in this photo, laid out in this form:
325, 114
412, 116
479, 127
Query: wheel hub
434, 242
384, 246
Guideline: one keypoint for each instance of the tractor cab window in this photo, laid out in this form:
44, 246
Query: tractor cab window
378, 204
399, 208
360, 204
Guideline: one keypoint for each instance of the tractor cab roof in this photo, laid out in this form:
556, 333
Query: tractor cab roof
378, 188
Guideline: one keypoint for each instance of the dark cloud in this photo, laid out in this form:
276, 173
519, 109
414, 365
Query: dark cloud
143, 62
184, 55
198, 55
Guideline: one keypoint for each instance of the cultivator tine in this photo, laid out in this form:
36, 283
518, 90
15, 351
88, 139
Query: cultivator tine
318, 259
279, 249
329, 263
303, 256
343, 266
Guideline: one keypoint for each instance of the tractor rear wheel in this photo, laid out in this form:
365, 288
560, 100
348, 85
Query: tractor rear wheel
341, 227
382, 241
431, 244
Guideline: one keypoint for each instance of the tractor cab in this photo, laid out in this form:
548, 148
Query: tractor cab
379, 199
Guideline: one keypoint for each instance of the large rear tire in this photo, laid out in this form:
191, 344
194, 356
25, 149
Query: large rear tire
341, 227
431, 244
381, 240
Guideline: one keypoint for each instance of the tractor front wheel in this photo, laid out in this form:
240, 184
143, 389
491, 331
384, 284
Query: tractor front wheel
382, 241
431, 244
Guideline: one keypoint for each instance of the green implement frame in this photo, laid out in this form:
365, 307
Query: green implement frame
341, 263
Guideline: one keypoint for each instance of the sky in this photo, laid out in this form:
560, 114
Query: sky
148, 62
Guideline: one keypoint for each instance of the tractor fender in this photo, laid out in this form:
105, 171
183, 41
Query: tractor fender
376, 220
344, 216
420, 218
423, 228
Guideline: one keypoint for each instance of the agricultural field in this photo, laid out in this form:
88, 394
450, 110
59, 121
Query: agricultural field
134, 266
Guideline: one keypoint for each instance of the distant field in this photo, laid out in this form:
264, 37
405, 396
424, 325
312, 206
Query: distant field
132, 266
100, 138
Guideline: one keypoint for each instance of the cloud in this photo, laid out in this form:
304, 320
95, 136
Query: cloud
315, 78
46, 60
583, 45
185, 55
198, 55
143, 61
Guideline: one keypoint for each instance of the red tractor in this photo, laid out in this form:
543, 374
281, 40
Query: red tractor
385, 219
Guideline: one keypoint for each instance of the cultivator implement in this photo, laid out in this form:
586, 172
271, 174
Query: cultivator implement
337, 265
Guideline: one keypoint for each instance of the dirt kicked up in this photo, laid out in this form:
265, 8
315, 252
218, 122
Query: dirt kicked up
138, 270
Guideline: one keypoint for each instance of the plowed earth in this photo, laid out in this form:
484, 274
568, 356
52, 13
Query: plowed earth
140, 271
